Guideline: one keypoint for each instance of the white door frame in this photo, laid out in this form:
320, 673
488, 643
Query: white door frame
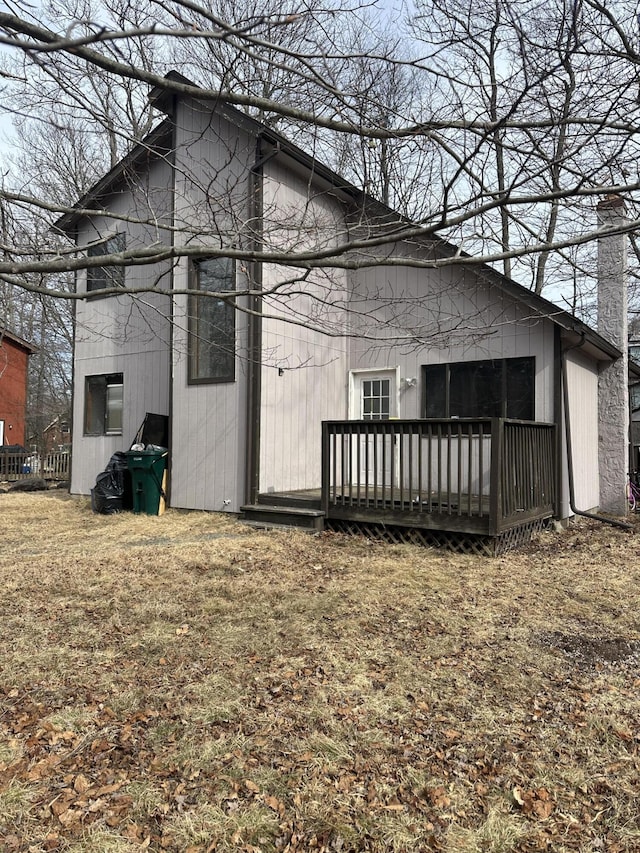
355, 411
355, 398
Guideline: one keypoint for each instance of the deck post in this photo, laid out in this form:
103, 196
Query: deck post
495, 498
325, 461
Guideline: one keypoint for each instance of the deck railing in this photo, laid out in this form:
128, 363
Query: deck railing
475, 474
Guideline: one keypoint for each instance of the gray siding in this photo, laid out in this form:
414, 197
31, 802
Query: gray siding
410, 317
304, 368
124, 334
213, 160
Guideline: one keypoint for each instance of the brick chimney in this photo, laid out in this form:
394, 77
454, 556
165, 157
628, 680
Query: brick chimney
613, 394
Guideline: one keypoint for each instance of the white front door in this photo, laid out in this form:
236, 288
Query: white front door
373, 396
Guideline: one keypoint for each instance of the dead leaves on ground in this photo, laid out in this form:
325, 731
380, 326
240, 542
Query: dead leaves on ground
306, 757
536, 803
90, 778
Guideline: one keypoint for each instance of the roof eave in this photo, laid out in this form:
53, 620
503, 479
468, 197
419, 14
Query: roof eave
30, 348
155, 145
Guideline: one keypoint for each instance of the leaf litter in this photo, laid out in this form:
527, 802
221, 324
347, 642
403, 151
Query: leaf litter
184, 683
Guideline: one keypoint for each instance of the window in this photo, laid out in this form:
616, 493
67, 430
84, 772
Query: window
103, 405
500, 388
100, 278
376, 400
212, 322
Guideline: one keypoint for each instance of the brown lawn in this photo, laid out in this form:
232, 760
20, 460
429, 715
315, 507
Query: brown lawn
184, 683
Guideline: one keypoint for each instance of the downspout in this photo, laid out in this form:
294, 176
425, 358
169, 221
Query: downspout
73, 368
567, 426
254, 330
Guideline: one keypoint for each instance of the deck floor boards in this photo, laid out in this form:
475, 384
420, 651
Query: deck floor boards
444, 511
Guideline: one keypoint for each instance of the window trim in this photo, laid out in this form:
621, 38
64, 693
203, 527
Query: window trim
503, 362
103, 273
193, 319
91, 384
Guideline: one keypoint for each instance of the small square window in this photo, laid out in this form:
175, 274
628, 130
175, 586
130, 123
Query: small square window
103, 404
101, 278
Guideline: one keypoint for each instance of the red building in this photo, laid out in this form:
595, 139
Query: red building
14, 361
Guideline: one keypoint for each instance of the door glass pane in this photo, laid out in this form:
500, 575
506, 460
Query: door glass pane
376, 399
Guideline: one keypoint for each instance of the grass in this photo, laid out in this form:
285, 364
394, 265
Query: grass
183, 683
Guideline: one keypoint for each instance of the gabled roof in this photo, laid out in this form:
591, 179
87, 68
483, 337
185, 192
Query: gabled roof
5, 334
155, 145
158, 143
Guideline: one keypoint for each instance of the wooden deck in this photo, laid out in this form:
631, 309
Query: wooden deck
312, 499
475, 478
429, 515
470, 514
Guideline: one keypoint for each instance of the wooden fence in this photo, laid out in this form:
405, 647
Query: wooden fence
22, 466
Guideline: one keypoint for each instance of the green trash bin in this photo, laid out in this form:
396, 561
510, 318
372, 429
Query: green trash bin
148, 480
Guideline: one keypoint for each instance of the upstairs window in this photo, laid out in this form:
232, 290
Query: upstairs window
101, 278
103, 404
492, 388
212, 322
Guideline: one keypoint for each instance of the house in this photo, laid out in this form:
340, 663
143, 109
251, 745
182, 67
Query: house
14, 365
57, 435
405, 384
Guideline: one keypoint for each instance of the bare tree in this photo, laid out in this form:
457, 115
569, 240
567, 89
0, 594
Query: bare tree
514, 135
45, 322
556, 87
71, 124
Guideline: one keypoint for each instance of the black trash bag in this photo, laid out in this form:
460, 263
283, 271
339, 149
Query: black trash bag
112, 492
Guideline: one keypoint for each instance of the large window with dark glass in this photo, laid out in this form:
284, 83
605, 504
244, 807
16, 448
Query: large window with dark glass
491, 388
212, 322
103, 404
101, 278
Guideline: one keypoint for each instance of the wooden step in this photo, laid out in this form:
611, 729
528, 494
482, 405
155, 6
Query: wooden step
264, 515
300, 501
